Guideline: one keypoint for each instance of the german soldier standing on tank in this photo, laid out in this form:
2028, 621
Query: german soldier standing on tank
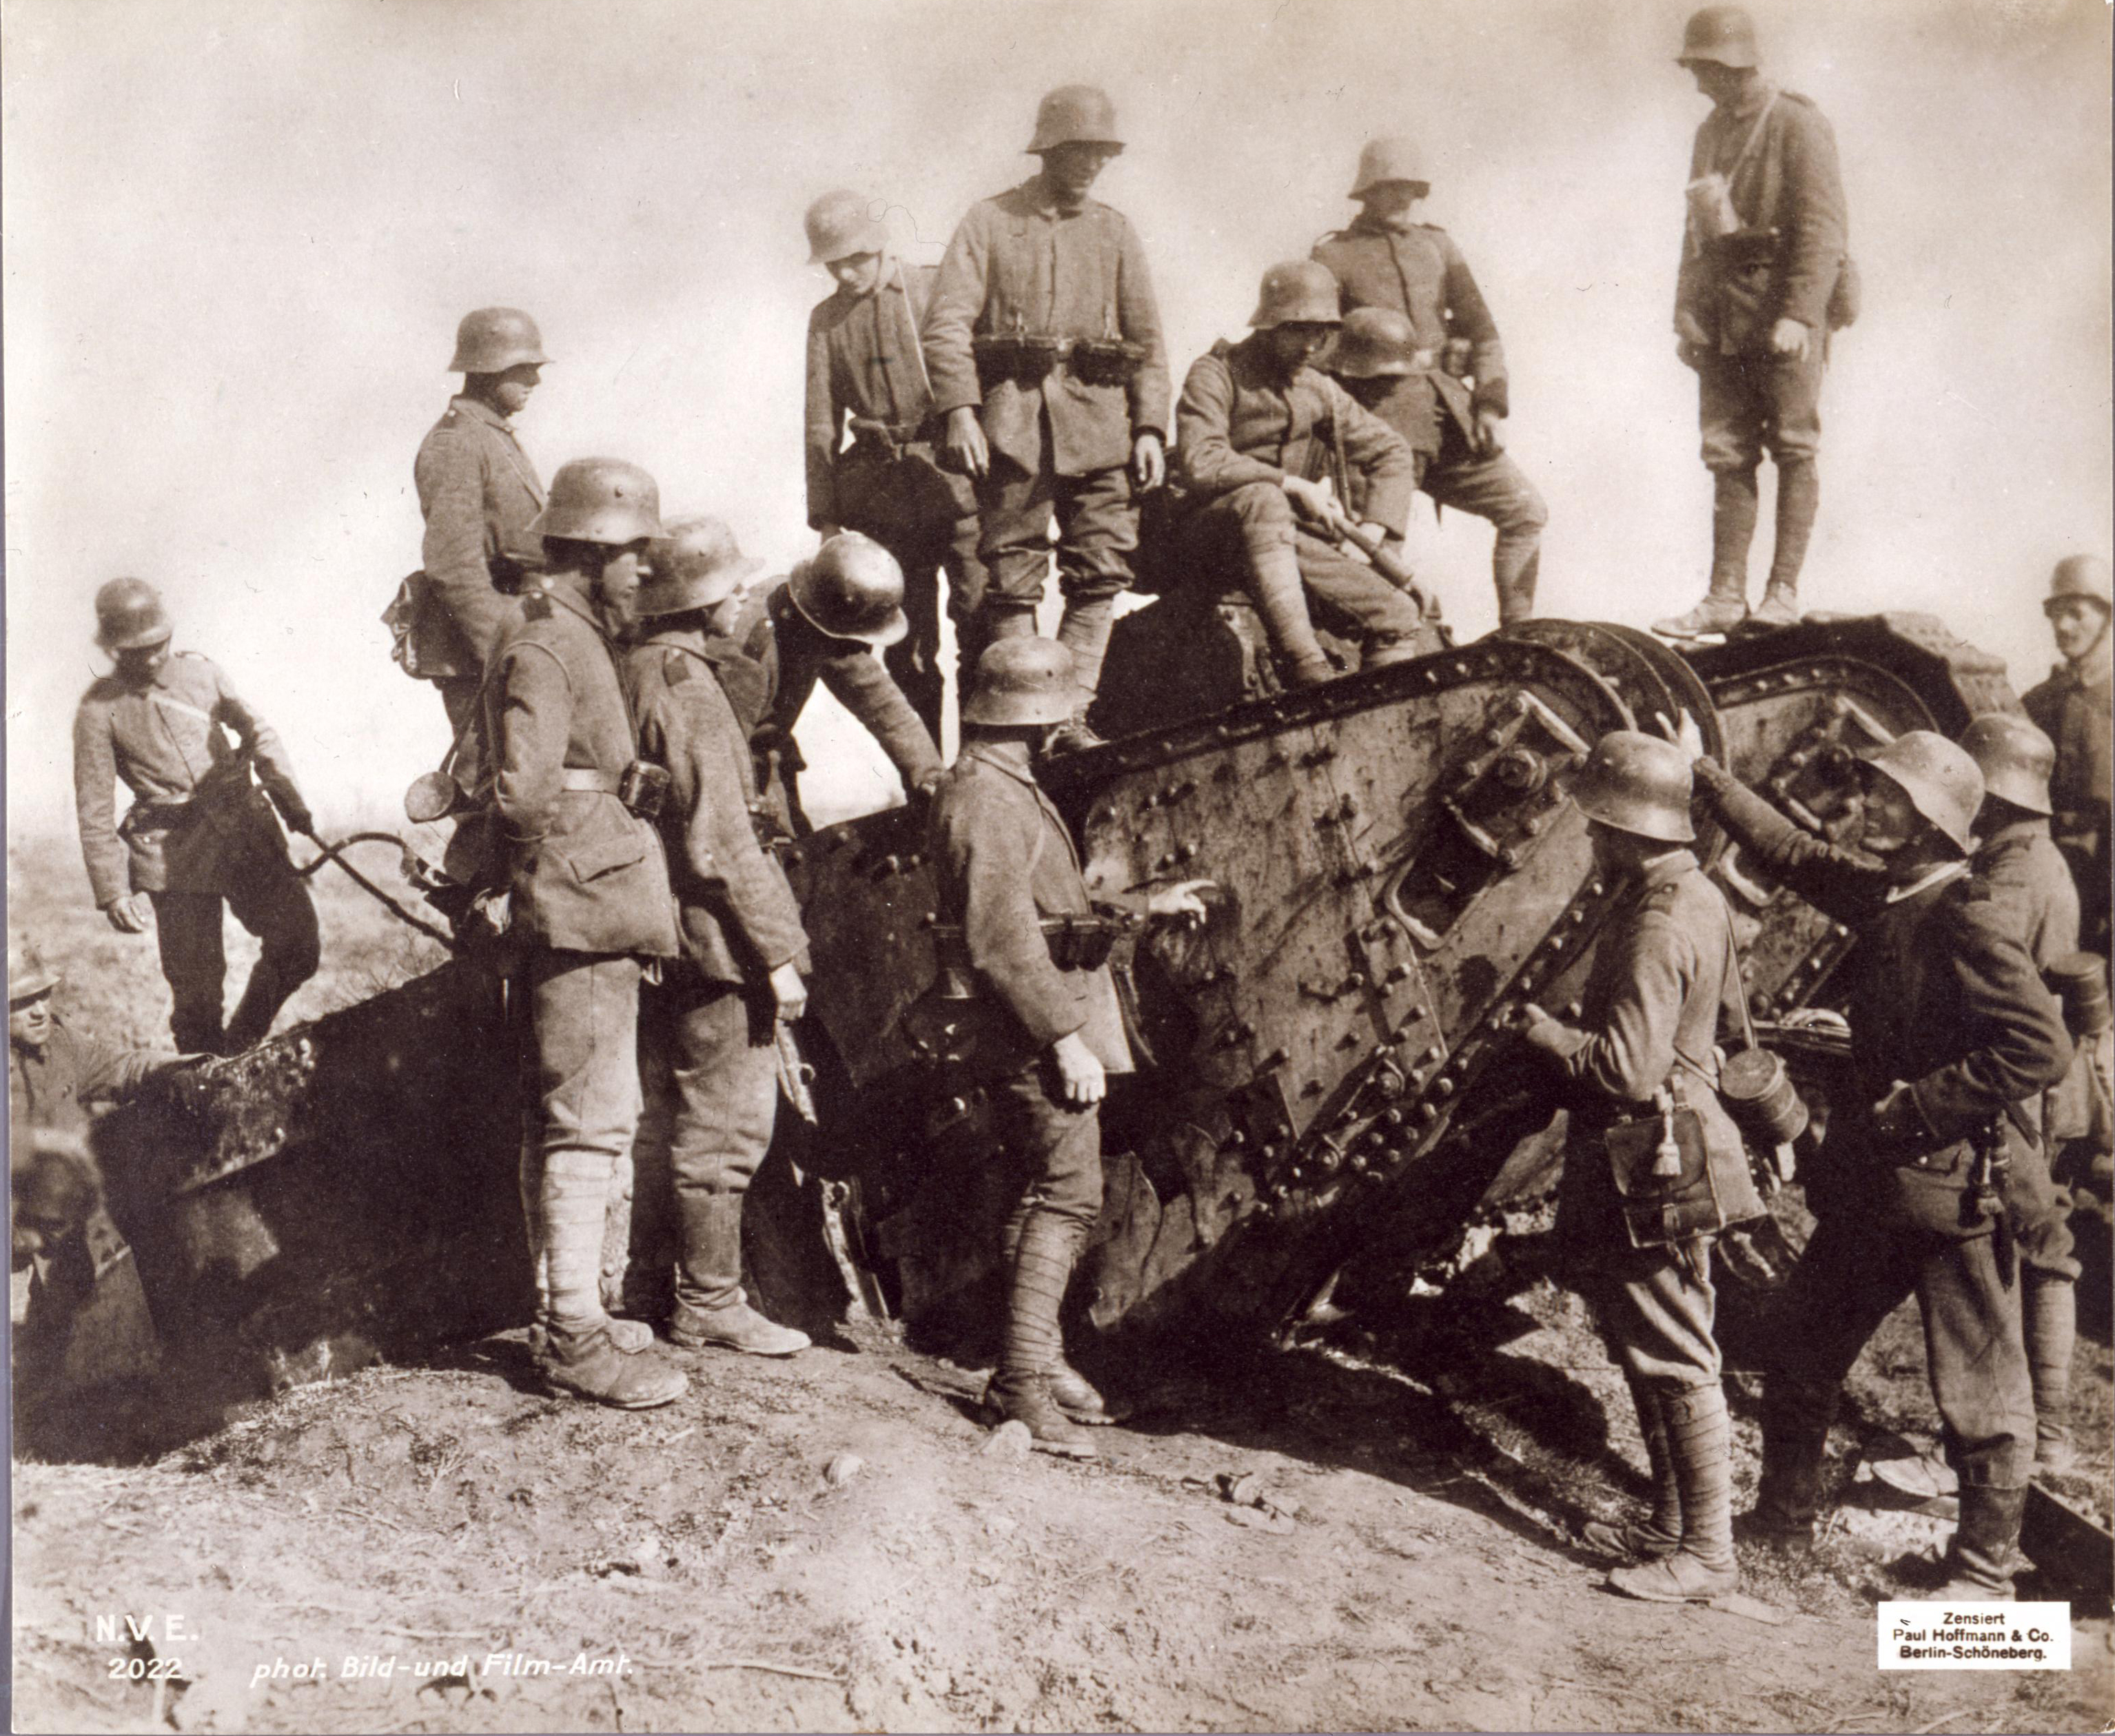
478, 493
200, 832
1754, 304
1457, 423
1663, 970
866, 365
2076, 708
1256, 427
589, 890
1044, 344
1005, 861
711, 1071
1951, 1030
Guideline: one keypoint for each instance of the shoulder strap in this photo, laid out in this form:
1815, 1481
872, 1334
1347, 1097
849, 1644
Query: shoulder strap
1733, 977
917, 343
1754, 137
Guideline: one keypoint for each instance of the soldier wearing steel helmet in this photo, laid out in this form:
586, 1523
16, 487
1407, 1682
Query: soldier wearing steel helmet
1386, 259
2076, 708
588, 889
866, 369
1258, 431
1044, 345
1664, 972
1951, 1030
709, 1053
478, 492
1764, 281
1005, 863
206, 773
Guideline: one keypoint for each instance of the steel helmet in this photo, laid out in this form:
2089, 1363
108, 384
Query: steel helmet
1724, 34
600, 500
2015, 757
697, 563
1074, 114
1384, 160
1637, 783
491, 340
842, 223
1943, 784
1298, 292
851, 588
1376, 343
1025, 680
2085, 576
28, 975
129, 616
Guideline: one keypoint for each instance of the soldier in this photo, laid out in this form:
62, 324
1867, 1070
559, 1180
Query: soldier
1044, 345
1005, 861
478, 493
866, 366
2076, 708
1256, 425
822, 623
711, 1048
1755, 299
588, 887
199, 830
1457, 422
1664, 968
1951, 1030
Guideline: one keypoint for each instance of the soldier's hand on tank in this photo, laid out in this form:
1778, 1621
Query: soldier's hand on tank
1490, 433
792, 993
133, 914
1541, 1029
1148, 463
1183, 900
1079, 1071
966, 447
1685, 735
1789, 338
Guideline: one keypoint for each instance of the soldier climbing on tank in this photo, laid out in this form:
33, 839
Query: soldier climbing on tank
1455, 420
1764, 279
866, 367
710, 1049
1045, 343
1641, 1082
201, 831
2076, 708
1257, 430
587, 892
1951, 1031
478, 492
1007, 866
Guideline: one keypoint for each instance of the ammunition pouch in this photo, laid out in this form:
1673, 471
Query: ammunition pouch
1106, 361
889, 442
1022, 357
1662, 1168
643, 788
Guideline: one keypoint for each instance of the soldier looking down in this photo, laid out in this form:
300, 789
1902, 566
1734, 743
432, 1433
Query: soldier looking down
1045, 343
2076, 708
200, 830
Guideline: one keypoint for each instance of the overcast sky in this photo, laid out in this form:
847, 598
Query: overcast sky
239, 233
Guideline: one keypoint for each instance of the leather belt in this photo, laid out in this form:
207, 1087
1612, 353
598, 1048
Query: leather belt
587, 778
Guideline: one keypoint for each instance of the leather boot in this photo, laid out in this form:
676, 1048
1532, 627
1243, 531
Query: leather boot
1795, 1439
1381, 653
587, 1365
1075, 1395
1281, 600
1725, 604
251, 1022
1659, 1533
1040, 1267
1977, 1565
712, 1310
2051, 1318
1700, 1437
1799, 498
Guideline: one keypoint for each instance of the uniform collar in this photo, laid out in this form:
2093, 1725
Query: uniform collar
1040, 197
1669, 867
1753, 100
1366, 224
2017, 832
567, 598
463, 404
2096, 666
985, 753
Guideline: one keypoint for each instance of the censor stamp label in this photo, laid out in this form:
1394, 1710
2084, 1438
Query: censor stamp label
1974, 1636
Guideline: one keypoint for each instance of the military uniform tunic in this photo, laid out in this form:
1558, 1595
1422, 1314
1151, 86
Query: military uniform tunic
2075, 708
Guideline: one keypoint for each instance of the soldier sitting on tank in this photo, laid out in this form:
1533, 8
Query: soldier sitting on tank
1005, 863
199, 831
2076, 708
1256, 427
1951, 1031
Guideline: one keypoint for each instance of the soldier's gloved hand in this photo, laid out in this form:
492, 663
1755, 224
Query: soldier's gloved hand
1148, 463
1182, 900
1079, 1072
1789, 338
1490, 433
792, 993
133, 914
967, 449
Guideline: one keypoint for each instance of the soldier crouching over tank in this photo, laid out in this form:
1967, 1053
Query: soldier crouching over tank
1654, 1167
1255, 425
710, 1052
1006, 864
1951, 1031
589, 898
